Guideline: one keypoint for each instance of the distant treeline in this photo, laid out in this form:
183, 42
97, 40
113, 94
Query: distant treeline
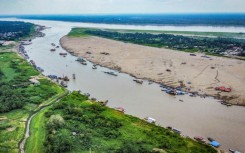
160, 19
178, 42
14, 30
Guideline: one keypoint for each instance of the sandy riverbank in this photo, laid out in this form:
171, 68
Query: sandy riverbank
151, 63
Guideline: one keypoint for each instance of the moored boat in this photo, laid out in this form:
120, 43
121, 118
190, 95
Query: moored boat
138, 81
199, 139
176, 131
63, 54
111, 73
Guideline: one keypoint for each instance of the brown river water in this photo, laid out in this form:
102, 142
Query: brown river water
194, 116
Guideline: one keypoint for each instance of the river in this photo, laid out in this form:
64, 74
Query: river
194, 116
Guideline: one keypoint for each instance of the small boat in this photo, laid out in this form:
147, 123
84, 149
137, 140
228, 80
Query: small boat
40, 69
63, 54
120, 109
52, 44
53, 76
63, 84
80, 59
52, 50
111, 73
150, 120
74, 76
138, 81
176, 131
171, 92
169, 127
83, 63
214, 144
94, 67
233, 151
87, 94
66, 78
57, 47
226, 104
199, 139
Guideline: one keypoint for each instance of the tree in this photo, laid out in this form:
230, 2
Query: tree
56, 121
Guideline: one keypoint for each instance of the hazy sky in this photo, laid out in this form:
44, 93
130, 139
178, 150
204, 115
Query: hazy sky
119, 6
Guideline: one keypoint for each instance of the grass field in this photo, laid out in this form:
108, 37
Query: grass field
34, 143
15, 73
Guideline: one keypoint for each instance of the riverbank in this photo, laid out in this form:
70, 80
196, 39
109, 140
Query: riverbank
102, 129
19, 98
196, 73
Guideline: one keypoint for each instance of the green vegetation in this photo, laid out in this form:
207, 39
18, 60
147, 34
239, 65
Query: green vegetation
78, 32
186, 33
19, 98
76, 124
15, 30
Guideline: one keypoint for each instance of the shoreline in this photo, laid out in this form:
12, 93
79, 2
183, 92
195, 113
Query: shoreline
217, 95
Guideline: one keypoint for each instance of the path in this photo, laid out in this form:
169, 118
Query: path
27, 133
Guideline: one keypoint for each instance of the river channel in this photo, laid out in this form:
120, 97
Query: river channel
194, 116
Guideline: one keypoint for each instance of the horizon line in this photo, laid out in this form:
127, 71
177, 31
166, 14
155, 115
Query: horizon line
104, 14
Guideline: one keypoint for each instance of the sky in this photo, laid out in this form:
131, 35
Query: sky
19, 7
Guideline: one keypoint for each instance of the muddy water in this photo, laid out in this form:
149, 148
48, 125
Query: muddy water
194, 116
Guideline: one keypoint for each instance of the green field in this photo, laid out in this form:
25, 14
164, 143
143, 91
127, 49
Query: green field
19, 98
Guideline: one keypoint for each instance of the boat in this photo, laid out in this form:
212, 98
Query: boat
111, 73
169, 127
66, 78
53, 76
57, 47
199, 139
52, 50
83, 63
52, 44
80, 59
87, 94
138, 81
226, 104
63, 54
150, 120
63, 84
94, 67
120, 109
214, 144
234, 151
40, 69
74, 76
176, 131
171, 92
